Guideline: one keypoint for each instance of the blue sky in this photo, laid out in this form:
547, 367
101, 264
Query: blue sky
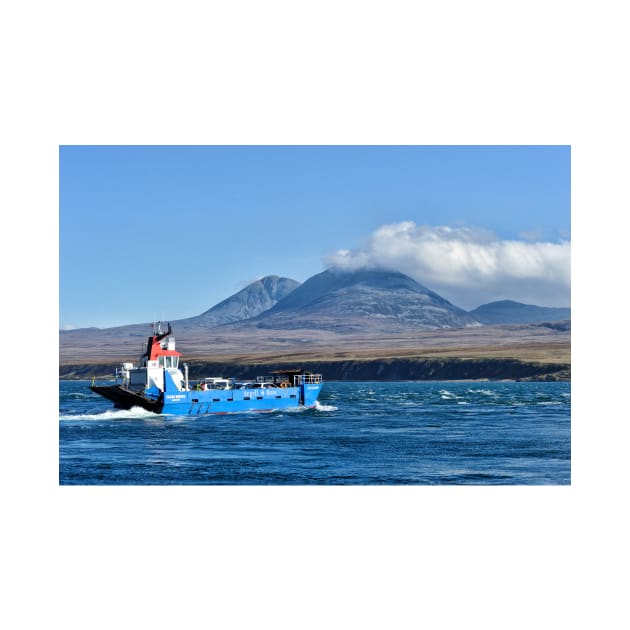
167, 231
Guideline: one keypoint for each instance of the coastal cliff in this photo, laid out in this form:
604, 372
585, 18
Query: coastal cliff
395, 369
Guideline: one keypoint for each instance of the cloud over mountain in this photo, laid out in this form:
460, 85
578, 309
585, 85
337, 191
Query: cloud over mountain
467, 265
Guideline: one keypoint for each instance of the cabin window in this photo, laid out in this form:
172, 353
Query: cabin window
167, 361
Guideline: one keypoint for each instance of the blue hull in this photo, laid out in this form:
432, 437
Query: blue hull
239, 400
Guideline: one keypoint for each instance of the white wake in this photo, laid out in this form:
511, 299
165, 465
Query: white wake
320, 407
112, 414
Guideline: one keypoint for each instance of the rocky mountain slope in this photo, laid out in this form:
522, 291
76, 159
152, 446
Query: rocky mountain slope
254, 299
510, 312
353, 300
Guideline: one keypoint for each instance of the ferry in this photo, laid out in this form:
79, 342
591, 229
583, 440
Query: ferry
159, 384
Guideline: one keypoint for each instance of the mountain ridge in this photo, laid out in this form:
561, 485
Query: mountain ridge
512, 312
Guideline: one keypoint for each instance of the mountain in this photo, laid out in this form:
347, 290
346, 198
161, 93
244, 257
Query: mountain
343, 300
510, 312
253, 300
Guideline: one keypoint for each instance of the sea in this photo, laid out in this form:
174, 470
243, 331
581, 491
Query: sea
360, 433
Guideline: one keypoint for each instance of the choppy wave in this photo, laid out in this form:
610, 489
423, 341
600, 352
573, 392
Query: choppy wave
446, 395
485, 392
79, 396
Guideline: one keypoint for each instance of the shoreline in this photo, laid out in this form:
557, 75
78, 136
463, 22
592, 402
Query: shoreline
381, 369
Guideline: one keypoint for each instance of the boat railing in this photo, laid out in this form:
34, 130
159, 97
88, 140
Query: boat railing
309, 379
265, 379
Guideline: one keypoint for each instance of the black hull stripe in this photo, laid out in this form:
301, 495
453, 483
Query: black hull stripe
126, 399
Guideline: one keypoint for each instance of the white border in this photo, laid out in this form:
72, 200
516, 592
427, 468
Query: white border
341, 73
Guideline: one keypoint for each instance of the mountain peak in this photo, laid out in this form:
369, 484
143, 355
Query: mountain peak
251, 301
364, 295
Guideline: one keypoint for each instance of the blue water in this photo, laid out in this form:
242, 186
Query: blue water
360, 433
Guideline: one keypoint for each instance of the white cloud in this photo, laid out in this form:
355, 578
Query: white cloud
469, 266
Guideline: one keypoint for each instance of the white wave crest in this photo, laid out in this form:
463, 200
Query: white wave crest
446, 395
134, 413
320, 407
485, 392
